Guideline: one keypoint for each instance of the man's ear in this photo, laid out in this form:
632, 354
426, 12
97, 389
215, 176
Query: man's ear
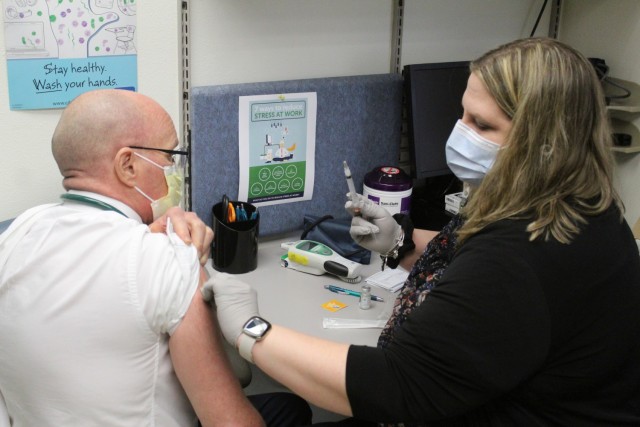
125, 166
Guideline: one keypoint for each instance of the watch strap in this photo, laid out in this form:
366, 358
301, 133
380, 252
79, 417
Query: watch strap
245, 347
401, 248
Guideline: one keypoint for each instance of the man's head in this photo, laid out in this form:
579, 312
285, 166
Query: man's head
92, 147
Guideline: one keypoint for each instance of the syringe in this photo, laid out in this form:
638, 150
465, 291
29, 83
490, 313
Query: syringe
352, 187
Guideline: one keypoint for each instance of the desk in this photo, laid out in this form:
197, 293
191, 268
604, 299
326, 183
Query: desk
294, 299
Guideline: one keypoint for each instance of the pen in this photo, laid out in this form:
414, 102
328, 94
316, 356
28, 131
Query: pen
241, 214
343, 291
347, 173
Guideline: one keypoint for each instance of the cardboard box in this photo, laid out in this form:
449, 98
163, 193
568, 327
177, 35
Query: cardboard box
454, 200
451, 209
636, 230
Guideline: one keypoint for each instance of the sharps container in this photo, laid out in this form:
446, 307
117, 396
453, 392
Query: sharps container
389, 187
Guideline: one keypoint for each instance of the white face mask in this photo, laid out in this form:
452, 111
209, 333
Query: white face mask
175, 185
469, 155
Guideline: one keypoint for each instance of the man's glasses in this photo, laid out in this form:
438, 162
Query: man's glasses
174, 153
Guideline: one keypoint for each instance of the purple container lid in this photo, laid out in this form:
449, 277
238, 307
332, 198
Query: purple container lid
388, 178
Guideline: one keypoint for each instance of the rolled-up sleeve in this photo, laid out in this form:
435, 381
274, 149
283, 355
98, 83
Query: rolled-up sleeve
166, 286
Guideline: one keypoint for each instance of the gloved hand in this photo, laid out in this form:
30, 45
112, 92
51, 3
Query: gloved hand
372, 226
236, 303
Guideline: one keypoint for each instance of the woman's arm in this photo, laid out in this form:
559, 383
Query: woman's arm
311, 367
421, 238
315, 368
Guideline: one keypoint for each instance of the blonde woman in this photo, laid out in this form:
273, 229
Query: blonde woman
535, 317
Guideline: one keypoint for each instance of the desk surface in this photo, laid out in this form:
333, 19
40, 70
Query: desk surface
294, 299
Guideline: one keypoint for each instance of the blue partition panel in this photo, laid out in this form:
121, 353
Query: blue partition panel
359, 119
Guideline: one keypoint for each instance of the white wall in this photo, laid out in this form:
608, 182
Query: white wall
610, 29
258, 40
235, 41
461, 30
28, 174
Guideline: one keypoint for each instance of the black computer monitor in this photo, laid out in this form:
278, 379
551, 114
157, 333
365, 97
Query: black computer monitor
433, 96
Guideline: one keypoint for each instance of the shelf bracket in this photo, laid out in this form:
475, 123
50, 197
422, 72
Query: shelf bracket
186, 119
554, 19
396, 36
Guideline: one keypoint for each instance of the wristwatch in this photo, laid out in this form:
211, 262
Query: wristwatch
254, 330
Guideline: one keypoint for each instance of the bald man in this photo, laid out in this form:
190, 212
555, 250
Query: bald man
100, 321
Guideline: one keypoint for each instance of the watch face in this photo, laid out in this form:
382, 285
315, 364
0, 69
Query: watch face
256, 327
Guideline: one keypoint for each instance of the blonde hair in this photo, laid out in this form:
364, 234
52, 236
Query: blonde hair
556, 165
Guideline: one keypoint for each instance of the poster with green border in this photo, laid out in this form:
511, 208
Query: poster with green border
277, 147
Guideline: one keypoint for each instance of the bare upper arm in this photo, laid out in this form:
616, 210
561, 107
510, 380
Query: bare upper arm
204, 371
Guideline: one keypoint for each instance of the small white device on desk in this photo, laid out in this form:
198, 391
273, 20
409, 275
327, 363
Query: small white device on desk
317, 259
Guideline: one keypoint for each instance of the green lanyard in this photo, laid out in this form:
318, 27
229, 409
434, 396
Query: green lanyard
91, 201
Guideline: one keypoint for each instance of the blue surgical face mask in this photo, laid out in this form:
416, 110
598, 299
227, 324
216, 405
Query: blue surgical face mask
469, 155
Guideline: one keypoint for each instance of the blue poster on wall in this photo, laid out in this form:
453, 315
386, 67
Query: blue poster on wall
58, 49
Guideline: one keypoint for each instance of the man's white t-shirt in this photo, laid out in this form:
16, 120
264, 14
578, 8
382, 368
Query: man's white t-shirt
88, 301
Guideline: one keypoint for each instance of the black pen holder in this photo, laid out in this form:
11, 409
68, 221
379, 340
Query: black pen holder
235, 243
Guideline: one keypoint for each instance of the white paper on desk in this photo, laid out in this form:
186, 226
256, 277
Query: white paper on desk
389, 279
334, 323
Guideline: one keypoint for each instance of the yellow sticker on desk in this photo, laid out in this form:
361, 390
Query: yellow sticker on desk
333, 305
